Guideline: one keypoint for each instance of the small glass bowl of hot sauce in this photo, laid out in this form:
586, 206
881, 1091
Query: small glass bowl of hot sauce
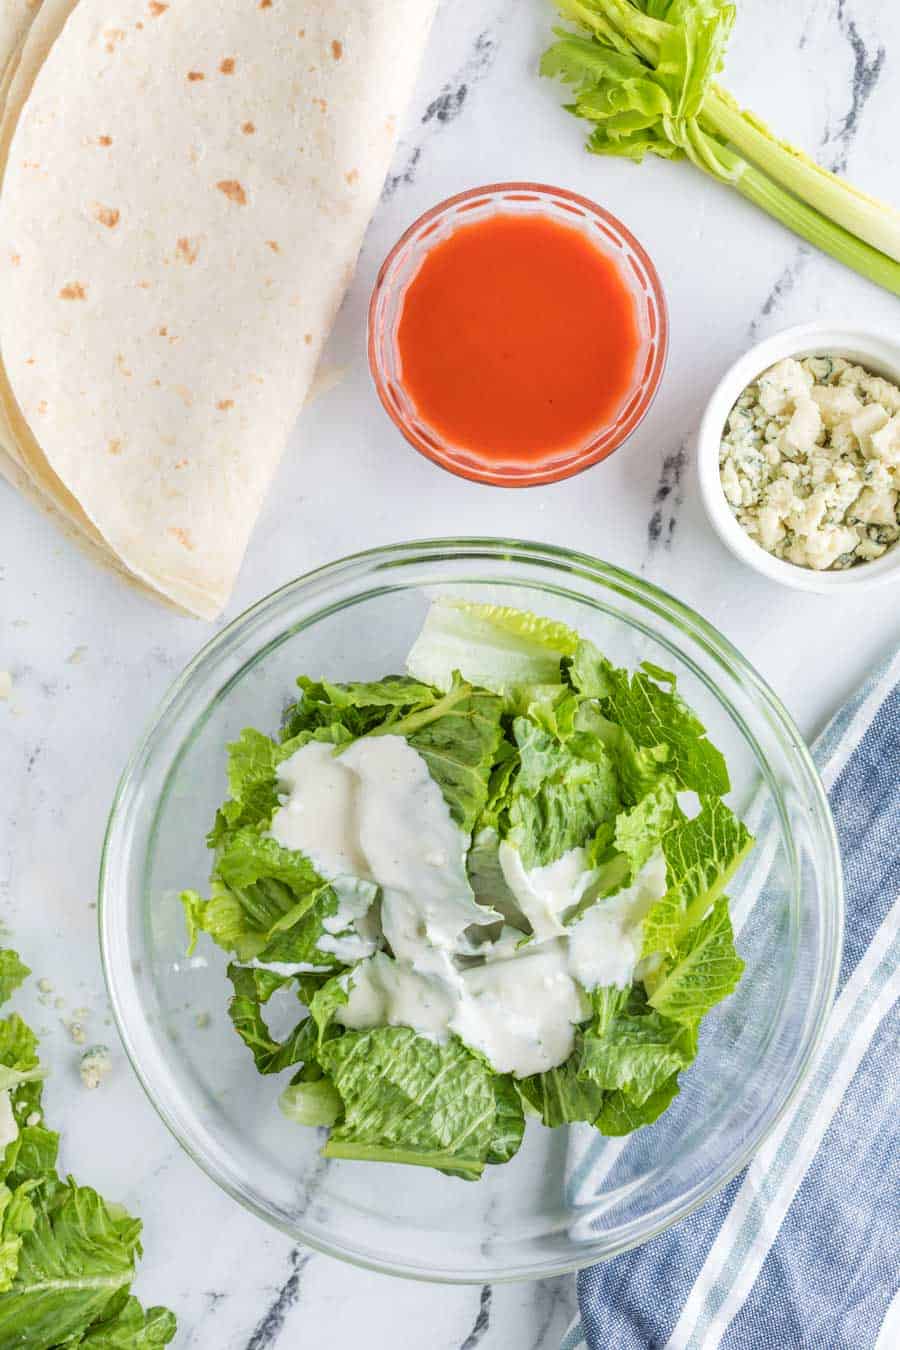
517, 334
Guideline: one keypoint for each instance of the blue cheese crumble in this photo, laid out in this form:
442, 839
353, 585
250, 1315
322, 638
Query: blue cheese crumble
810, 462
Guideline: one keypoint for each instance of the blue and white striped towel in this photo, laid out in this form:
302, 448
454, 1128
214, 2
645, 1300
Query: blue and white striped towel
802, 1250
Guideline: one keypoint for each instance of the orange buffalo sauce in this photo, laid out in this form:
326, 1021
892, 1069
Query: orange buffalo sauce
517, 338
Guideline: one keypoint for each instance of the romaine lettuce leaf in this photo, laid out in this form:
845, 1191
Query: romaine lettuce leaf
559, 1096
457, 736
269, 902
492, 646
131, 1328
12, 973
636, 1053
347, 711
252, 990
702, 856
74, 1264
509, 1120
653, 715
557, 801
409, 1100
620, 1115
703, 970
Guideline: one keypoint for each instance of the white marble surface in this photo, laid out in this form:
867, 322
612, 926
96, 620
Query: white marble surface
90, 659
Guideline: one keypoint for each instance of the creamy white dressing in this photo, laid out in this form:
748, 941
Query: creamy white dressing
372, 820
544, 894
521, 1012
374, 811
605, 945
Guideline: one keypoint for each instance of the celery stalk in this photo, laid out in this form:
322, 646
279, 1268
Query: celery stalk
644, 78
858, 213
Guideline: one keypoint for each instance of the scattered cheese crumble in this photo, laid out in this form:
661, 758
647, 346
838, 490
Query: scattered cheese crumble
95, 1065
810, 462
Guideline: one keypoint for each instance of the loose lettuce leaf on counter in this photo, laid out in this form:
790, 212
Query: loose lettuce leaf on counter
702, 855
12, 973
492, 646
409, 1100
703, 969
653, 715
131, 1328
76, 1263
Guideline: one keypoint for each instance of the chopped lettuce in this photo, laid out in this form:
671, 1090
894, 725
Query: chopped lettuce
557, 801
703, 969
539, 744
702, 855
653, 715
407, 1099
67, 1258
498, 648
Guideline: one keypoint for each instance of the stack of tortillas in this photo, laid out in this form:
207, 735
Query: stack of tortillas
186, 185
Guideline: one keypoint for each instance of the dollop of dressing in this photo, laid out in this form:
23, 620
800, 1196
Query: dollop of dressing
371, 818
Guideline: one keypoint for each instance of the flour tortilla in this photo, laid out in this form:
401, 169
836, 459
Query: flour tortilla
185, 195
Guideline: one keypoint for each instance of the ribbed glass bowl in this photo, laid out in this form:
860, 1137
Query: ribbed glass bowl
569, 1197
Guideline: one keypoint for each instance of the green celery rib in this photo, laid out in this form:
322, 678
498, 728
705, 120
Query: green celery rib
818, 229
856, 212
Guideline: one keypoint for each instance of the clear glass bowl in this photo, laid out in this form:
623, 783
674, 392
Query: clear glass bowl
608, 235
569, 1197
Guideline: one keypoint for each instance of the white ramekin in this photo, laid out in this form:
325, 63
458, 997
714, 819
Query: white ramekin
879, 352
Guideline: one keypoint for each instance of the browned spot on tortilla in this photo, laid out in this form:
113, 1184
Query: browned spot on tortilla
29, 361
104, 140
183, 536
107, 215
181, 464
120, 363
139, 25
114, 446
188, 250
73, 291
143, 285
337, 49
301, 32
31, 163
307, 338
194, 75
265, 4
42, 406
227, 66
321, 103
185, 395
248, 128
273, 245
156, 7
224, 404
352, 177
113, 35
233, 191
257, 379
15, 259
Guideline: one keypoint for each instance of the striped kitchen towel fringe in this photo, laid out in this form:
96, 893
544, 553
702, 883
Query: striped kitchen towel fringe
802, 1250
